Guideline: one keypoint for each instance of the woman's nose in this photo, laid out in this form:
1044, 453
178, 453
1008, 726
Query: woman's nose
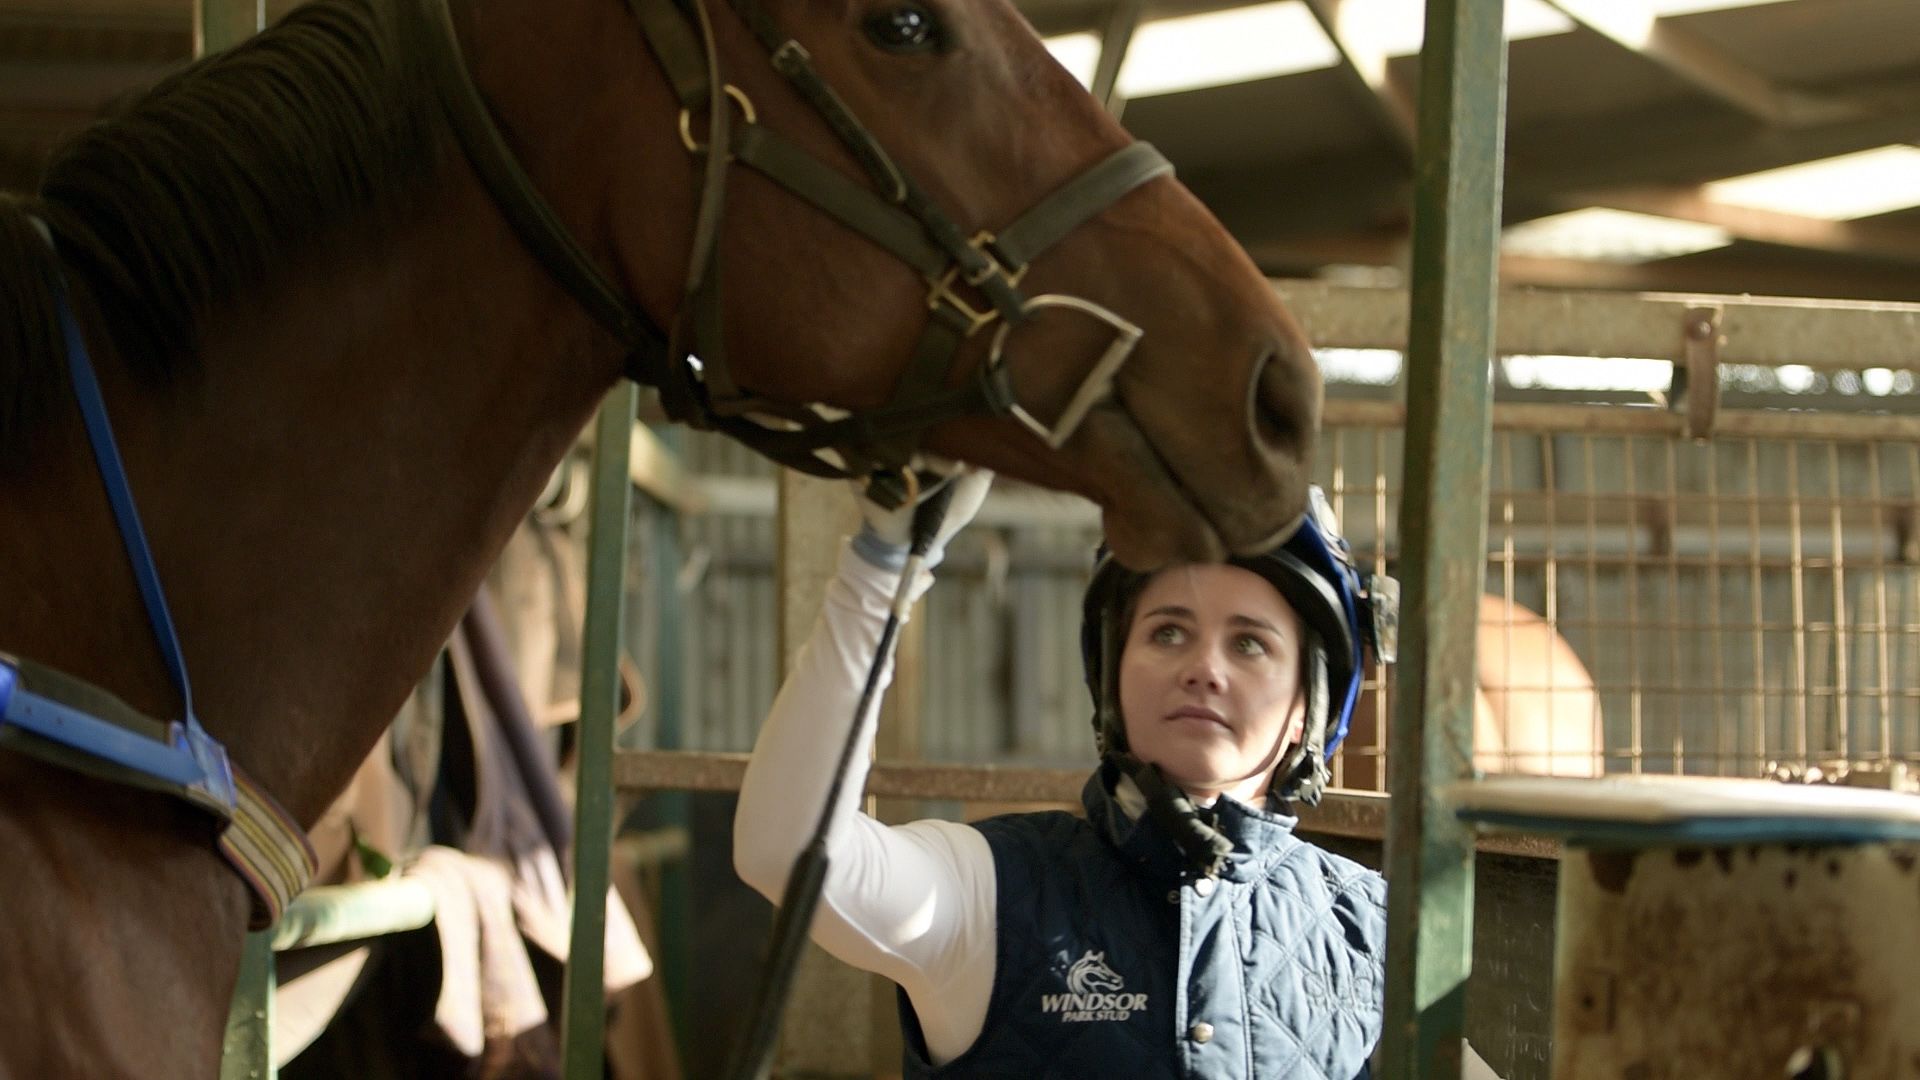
1203, 671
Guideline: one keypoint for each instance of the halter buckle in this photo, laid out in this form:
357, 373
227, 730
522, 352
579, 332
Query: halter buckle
941, 289
1097, 385
739, 97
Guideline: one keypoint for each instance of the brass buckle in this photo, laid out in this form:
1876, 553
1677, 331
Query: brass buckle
941, 289
739, 97
1098, 383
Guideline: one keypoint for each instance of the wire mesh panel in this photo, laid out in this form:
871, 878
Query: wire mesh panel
1653, 604
1735, 603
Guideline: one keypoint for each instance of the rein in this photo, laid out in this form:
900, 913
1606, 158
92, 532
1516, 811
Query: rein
972, 283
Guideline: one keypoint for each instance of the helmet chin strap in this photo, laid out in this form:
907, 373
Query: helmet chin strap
1302, 775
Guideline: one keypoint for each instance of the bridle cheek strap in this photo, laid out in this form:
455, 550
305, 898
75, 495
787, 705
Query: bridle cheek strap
972, 283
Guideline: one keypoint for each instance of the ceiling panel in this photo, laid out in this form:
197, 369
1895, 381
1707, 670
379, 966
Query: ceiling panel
1300, 166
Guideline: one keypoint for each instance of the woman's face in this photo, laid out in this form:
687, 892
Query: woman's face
1210, 680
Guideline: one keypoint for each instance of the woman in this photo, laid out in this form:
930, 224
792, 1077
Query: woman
1181, 928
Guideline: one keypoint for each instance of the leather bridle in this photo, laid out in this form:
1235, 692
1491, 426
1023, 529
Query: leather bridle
972, 283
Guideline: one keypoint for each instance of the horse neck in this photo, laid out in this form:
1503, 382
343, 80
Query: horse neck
323, 503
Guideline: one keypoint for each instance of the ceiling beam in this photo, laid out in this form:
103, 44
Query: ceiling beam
1307, 255
1727, 273
1664, 144
1365, 65
1274, 200
1730, 271
1889, 240
1632, 25
1115, 38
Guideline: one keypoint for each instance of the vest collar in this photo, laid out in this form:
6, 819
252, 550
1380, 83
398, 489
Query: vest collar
1117, 811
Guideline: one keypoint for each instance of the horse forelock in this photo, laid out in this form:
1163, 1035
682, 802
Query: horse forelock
219, 179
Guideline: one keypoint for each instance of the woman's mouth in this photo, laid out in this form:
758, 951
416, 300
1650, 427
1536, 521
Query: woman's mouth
1199, 714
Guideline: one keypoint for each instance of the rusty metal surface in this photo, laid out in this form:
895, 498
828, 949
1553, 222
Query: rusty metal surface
1567, 322
1739, 961
1614, 420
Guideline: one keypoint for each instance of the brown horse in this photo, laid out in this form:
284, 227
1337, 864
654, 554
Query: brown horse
1535, 709
339, 378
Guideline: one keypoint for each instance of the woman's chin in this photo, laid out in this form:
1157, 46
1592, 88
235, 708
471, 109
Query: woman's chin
1197, 778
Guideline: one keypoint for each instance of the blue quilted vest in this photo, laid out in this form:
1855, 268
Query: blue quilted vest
1114, 961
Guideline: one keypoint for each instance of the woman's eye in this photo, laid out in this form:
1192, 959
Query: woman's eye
1248, 645
1167, 634
906, 28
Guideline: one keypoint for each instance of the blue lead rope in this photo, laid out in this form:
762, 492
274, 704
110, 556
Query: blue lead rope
189, 757
93, 410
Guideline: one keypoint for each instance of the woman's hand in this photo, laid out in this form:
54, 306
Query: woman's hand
885, 534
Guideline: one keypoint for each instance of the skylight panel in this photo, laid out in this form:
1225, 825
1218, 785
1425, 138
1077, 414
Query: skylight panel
1588, 373
1266, 40
1688, 7
1221, 47
1395, 26
1078, 53
1615, 236
1837, 188
1367, 367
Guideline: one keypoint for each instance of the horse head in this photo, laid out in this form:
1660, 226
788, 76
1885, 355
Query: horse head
1200, 447
1090, 974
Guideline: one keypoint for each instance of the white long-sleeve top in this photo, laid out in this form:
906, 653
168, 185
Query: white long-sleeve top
915, 903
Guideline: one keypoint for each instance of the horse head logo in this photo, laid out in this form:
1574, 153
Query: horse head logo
1090, 974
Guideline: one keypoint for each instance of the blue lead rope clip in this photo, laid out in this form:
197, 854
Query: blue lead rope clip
190, 759
216, 772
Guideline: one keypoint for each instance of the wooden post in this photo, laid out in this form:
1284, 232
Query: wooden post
826, 1031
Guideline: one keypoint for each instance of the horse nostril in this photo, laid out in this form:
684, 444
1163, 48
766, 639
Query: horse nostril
1279, 412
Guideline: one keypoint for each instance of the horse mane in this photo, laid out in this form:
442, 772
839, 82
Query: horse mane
219, 180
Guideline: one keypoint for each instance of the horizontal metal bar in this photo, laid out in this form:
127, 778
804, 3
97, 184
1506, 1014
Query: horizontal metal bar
1557, 322
327, 914
653, 848
1621, 420
1357, 814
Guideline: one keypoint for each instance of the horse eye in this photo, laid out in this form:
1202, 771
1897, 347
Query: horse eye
904, 29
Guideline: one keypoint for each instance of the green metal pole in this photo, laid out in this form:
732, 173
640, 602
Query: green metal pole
673, 808
222, 24
247, 1051
1443, 521
583, 1007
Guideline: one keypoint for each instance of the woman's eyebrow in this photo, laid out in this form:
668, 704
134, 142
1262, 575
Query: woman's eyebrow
1179, 612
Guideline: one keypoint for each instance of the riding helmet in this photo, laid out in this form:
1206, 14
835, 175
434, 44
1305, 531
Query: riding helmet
1343, 613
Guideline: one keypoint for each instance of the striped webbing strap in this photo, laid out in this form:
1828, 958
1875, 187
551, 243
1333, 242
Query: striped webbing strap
268, 849
57, 718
